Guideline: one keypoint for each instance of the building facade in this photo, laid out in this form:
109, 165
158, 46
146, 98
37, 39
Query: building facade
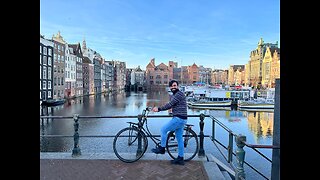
46, 69
59, 67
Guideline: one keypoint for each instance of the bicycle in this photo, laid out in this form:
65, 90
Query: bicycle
130, 143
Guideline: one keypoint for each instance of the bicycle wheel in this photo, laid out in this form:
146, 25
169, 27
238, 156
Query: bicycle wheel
190, 141
130, 144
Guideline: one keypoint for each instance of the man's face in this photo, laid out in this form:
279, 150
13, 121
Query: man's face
174, 87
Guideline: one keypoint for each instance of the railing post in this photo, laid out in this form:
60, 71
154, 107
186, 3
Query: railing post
240, 154
201, 123
139, 150
275, 168
230, 147
76, 149
213, 129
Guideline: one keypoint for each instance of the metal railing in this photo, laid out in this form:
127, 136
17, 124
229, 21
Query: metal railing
240, 140
239, 153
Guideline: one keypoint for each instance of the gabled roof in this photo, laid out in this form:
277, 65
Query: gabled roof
86, 60
162, 65
76, 49
273, 49
150, 65
194, 64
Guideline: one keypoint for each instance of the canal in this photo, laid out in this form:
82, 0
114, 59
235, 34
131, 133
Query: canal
256, 126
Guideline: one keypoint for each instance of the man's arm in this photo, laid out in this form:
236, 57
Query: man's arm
174, 100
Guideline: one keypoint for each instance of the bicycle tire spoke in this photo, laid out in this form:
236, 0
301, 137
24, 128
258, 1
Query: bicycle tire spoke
190, 141
129, 145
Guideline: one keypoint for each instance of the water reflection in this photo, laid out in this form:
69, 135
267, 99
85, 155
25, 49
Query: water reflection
261, 124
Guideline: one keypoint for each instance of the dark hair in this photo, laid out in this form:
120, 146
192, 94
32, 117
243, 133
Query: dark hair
172, 81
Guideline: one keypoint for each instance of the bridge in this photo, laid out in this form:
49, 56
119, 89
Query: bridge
76, 165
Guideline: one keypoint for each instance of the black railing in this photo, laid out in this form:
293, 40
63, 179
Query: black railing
239, 139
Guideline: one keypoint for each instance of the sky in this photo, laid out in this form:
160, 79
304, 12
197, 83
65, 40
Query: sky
212, 33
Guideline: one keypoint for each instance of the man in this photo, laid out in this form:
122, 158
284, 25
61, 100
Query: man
179, 112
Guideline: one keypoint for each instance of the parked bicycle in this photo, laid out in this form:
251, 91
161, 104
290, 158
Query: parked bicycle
131, 143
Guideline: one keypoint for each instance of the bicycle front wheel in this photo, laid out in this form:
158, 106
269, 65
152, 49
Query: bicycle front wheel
130, 144
190, 143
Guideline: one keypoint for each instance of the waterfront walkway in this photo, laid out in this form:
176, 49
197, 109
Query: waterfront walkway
98, 166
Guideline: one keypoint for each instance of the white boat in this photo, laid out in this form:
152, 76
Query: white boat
259, 103
208, 104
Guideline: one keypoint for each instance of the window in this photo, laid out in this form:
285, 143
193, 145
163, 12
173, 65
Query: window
50, 51
49, 73
44, 85
49, 61
40, 49
44, 50
44, 60
40, 58
49, 94
40, 72
40, 85
44, 72
40, 94
49, 84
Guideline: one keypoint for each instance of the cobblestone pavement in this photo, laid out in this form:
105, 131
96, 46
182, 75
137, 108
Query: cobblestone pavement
96, 169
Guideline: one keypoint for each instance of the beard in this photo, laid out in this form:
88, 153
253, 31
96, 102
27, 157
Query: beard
174, 90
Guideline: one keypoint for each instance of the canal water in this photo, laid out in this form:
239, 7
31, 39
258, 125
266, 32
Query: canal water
256, 126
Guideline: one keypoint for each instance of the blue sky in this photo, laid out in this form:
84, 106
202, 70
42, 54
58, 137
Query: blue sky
211, 33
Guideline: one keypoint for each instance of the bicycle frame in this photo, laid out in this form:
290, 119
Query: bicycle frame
140, 125
137, 138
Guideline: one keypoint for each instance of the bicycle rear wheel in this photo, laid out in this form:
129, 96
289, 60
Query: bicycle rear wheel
130, 144
190, 141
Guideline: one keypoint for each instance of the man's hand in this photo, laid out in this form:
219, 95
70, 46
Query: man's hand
155, 109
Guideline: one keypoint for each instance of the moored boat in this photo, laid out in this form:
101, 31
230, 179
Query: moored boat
53, 102
260, 103
209, 104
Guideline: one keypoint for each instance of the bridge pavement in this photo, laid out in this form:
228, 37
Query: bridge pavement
98, 166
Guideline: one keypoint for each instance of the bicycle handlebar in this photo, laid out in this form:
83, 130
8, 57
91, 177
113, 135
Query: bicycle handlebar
144, 111
149, 108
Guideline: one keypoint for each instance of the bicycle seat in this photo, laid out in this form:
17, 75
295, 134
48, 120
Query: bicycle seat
188, 125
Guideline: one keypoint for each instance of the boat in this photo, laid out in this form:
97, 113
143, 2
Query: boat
227, 108
259, 103
53, 102
204, 103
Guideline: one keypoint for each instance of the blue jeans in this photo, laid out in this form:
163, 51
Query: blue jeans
175, 124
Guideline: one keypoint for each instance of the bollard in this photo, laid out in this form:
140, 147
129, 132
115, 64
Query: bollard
240, 154
201, 123
76, 149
